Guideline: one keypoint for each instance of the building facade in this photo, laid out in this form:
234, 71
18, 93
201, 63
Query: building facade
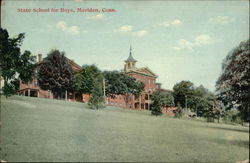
32, 88
144, 102
144, 75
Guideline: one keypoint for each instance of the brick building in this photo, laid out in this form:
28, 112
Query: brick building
32, 88
144, 75
148, 77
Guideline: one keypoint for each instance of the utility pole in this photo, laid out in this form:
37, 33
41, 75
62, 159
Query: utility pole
186, 102
104, 93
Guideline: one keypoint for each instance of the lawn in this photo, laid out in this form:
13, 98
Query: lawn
50, 130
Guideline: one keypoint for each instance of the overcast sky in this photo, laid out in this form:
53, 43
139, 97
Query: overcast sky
178, 40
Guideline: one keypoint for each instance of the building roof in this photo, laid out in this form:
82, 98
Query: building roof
130, 58
76, 68
143, 71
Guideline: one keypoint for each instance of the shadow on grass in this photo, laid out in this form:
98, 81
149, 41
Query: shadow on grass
229, 129
240, 143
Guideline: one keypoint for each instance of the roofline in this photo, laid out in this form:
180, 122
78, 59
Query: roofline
154, 76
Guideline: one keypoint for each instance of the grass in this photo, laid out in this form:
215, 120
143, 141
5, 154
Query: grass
50, 130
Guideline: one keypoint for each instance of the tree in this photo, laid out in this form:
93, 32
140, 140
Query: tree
55, 73
14, 65
212, 110
84, 81
118, 83
178, 111
158, 101
168, 99
161, 99
233, 85
97, 99
198, 102
181, 91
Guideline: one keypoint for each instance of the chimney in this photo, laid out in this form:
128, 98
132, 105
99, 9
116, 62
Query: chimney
40, 58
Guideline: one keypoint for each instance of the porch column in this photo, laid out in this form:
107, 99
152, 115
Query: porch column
140, 102
144, 104
38, 93
66, 95
148, 102
29, 92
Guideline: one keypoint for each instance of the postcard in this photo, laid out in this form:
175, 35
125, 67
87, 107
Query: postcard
124, 81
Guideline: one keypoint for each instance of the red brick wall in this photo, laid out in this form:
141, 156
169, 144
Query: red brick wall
150, 86
34, 85
149, 82
168, 110
31, 85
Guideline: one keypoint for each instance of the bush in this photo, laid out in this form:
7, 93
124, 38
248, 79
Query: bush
232, 116
157, 103
178, 112
97, 100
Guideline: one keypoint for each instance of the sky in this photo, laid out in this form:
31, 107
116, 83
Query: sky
177, 40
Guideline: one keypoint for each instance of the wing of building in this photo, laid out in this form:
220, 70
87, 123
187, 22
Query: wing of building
32, 88
145, 75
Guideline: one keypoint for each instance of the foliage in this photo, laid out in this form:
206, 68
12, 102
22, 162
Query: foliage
158, 101
168, 99
118, 83
232, 116
212, 110
233, 85
97, 99
181, 90
55, 73
14, 65
84, 81
198, 99
178, 112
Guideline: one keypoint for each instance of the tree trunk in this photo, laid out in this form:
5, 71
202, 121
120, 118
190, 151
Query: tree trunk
5, 83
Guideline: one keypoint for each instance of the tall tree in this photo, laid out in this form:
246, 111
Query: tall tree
182, 90
55, 73
161, 99
118, 83
157, 104
84, 81
168, 99
97, 99
14, 65
233, 85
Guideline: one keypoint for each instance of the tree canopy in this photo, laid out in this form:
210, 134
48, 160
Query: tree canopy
14, 65
157, 104
97, 99
161, 99
233, 85
198, 99
84, 81
55, 73
118, 83
181, 90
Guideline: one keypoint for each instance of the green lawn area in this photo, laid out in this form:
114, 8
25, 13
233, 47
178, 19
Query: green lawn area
35, 129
